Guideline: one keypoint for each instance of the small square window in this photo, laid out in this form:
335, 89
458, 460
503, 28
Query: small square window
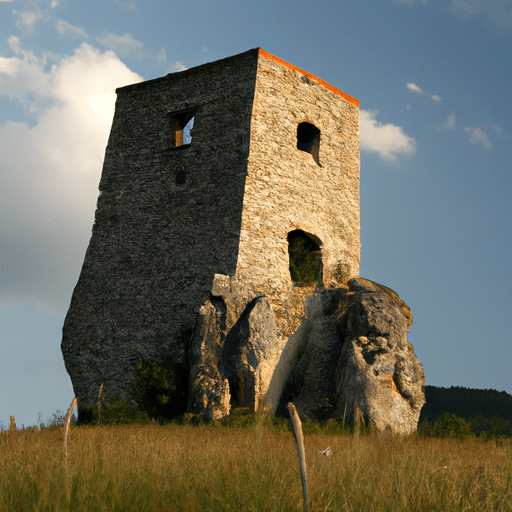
182, 125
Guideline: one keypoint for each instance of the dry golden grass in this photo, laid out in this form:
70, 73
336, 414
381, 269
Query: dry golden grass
185, 468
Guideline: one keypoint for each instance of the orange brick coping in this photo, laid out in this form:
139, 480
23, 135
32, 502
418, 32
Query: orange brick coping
346, 97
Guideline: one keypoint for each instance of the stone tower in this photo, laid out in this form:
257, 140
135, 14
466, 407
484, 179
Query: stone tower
209, 174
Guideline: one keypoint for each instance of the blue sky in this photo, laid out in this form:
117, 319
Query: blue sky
433, 78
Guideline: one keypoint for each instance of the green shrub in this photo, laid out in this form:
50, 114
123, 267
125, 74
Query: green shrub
154, 390
449, 425
117, 411
303, 256
114, 411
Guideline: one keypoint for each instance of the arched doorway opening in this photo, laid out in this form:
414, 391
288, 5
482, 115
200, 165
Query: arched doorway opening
304, 250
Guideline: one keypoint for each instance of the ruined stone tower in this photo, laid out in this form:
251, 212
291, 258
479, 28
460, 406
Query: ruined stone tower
209, 174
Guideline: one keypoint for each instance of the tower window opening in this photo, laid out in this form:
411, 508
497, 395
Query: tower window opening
308, 140
182, 125
305, 257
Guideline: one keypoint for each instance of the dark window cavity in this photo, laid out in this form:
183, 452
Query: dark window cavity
181, 177
305, 257
308, 140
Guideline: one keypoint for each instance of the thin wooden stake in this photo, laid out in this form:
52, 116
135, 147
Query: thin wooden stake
301, 452
67, 426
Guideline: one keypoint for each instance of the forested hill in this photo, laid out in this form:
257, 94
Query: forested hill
466, 403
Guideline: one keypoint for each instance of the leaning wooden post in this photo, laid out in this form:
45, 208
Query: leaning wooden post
67, 426
100, 403
299, 439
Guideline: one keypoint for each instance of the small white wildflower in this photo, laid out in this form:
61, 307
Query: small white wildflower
327, 452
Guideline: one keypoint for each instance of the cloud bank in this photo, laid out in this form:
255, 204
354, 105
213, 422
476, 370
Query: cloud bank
50, 170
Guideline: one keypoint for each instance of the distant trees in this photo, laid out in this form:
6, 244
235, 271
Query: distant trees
459, 412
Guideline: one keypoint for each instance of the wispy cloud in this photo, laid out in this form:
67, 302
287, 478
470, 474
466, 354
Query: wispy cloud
477, 136
161, 55
27, 19
410, 3
125, 45
63, 27
414, 88
126, 5
177, 66
498, 13
6, 0
387, 140
449, 124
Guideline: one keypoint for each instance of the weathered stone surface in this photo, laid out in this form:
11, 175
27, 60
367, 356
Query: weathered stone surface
208, 389
357, 356
174, 223
232, 366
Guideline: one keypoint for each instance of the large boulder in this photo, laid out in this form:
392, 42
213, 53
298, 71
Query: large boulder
232, 367
357, 357
350, 354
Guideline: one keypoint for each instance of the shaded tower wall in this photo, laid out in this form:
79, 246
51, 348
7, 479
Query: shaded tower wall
177, 223
167, 220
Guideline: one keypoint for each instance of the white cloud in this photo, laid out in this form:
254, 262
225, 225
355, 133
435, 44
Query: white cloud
50, 171
177, 66
413, 87
449, 124
477, 136
388, 140
418, 90
161, 56
124, 45
54, 4
27, 19
63, 27
23, 79
6, 0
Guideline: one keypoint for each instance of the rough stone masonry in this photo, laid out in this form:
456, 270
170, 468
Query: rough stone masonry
210, 174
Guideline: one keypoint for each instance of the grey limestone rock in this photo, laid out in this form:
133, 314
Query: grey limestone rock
350, 353
357, 356
232, 366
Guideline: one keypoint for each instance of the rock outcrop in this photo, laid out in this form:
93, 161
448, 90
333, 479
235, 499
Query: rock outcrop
357, 356
350, 353
235, 366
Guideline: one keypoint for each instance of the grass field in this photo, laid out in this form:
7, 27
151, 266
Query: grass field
186, 468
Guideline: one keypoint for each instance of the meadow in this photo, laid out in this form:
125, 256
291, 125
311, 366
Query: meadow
252, 468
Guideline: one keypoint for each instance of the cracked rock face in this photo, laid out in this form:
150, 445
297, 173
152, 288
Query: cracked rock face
357, 356
350, 353
232, 366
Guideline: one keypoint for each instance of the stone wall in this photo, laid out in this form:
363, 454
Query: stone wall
287, 190
174, 225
